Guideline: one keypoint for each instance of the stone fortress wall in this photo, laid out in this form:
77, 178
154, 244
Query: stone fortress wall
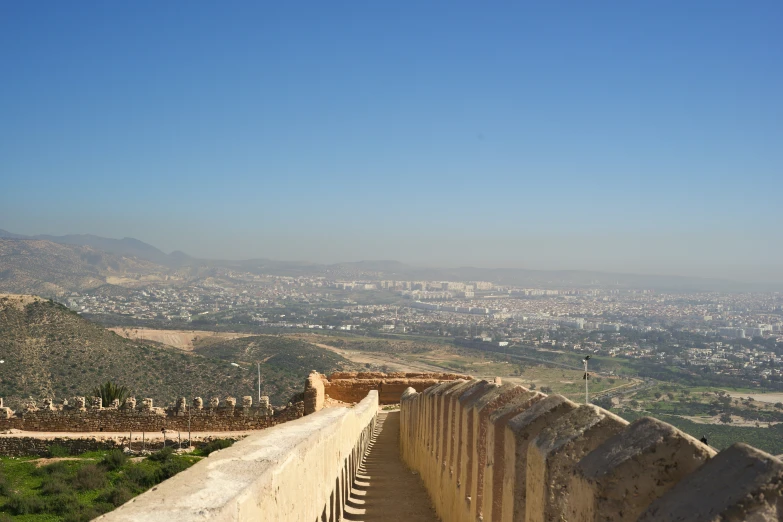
301, 471
352, 387
83, 414
499, 452
80, 416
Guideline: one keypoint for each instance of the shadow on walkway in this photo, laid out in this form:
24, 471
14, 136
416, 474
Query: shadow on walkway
386, 490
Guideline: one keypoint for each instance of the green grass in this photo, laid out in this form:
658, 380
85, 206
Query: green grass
721, 436
80, 489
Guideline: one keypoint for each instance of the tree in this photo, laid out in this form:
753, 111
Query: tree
110, 391
657, 395
725, 418
779, 405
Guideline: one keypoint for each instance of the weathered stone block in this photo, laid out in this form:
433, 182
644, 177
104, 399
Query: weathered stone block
314, 393
552, 456
492, 501
231, 402
519, 432
198, 403
452, 482
462, 501
96, 403
740, 484
214, 402
620, 478
481, 411
247, 401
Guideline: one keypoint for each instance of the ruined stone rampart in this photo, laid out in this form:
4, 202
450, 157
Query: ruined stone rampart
493, 452
352, 387
301, 471
80, 416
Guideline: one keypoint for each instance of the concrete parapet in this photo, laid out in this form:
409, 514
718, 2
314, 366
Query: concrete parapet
740, 484
297, 472
620, 478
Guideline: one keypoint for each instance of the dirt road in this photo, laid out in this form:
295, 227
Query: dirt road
182, 339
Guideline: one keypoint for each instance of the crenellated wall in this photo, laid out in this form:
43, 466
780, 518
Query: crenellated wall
492, 452
352, 387
79, 416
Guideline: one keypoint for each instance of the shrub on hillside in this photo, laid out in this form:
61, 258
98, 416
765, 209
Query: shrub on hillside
89, 477
162, 455
54, 485
117, 496
25, 505
56, 451
140, 476
217, 444
113, 460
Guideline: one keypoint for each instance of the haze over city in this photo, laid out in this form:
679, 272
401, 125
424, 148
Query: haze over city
611, 137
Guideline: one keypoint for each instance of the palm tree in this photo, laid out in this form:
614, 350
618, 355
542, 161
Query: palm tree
110, 391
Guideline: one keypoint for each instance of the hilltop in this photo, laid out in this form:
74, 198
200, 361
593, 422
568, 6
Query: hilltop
50, 351
47, 268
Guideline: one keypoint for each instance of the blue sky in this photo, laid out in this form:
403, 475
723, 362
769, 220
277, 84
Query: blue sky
639, 137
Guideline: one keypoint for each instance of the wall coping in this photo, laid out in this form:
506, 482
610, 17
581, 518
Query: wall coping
282, 473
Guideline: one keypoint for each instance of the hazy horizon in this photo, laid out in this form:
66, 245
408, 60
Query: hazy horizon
639, 139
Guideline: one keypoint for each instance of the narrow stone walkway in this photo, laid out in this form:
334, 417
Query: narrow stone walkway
385, 489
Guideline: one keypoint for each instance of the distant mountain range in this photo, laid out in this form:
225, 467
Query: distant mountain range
130, 255
126, 246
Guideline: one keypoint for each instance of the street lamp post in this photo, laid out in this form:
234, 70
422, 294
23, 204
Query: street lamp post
586, 378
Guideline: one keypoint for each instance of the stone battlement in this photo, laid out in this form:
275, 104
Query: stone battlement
492, 452
352, 387
83, 415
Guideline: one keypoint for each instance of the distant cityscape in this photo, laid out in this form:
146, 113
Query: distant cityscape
735, 334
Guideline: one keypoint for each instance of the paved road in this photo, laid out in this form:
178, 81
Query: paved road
386, 490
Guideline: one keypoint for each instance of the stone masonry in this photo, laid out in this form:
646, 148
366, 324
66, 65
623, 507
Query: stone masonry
497, 453
75, 416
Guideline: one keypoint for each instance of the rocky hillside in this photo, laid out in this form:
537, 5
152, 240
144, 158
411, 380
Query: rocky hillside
51, 269
50, 351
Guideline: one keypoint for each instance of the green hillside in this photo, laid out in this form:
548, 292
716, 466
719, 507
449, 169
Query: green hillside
282, 360
50, 351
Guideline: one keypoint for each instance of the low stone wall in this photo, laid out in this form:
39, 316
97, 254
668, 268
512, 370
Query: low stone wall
21, 446
33, 447
494, 452
298, 472
217, 416
352, 387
